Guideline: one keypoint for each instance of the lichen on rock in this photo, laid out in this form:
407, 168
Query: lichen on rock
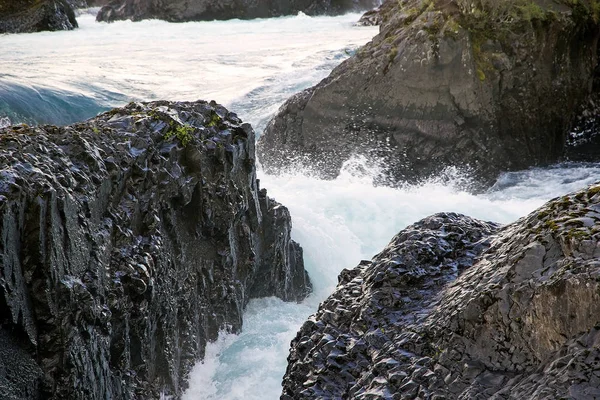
124, 250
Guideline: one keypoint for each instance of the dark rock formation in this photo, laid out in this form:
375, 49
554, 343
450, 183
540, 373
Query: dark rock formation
126, 244
584, 139
379, 15
522, 322
485, 86
88, 3
18, 16
204, 10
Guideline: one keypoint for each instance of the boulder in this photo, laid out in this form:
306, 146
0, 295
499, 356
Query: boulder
18, 16
483, 86
128, 242
456, 308
203, 10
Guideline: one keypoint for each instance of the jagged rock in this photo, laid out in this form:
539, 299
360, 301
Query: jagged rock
379, 15
484, 86
18, 16
520, 321
128, 242
202, 10
584, 139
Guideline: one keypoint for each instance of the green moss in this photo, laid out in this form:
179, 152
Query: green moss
530, 11
215, 120
552, 225
543, 214
393, 54
564, 203
578, 234
452, 28
480, 74
181, 132
154, 115
593, 191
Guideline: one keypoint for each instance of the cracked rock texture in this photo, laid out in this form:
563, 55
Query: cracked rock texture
19, 16
127, 242
442, 84
206, 10
456, 308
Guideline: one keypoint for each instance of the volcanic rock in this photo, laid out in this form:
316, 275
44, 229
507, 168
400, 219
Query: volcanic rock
486, 87
457, 308
18, 16
128, 242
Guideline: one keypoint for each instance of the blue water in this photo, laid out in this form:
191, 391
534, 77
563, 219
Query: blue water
252, 67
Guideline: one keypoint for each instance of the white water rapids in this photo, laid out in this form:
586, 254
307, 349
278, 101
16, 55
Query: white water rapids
252, 67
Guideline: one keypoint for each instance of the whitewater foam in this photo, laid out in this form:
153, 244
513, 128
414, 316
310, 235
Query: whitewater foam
339, 222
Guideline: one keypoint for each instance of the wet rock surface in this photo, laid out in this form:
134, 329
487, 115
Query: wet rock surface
127, 242
379, 15
205, 10
584, 138
443, 84
19, 16
521, 320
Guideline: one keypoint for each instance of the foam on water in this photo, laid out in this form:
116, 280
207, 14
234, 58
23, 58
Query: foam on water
250, 66
339, 223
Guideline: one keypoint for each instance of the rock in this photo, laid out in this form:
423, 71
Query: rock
126, 244
457, 308
78, 3
583, 143
379, 15
204, 10
485, 90
18, 16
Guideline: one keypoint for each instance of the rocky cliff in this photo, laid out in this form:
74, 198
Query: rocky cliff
203, 10
128, 242
457, 308
483, 85
18, 16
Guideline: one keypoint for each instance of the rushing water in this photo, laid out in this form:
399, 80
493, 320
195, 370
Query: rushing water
252, 67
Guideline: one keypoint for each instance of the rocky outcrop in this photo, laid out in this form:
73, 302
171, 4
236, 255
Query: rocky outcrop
18, 16
204, 10
520, 321
379, 15
128, 242
484, 86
